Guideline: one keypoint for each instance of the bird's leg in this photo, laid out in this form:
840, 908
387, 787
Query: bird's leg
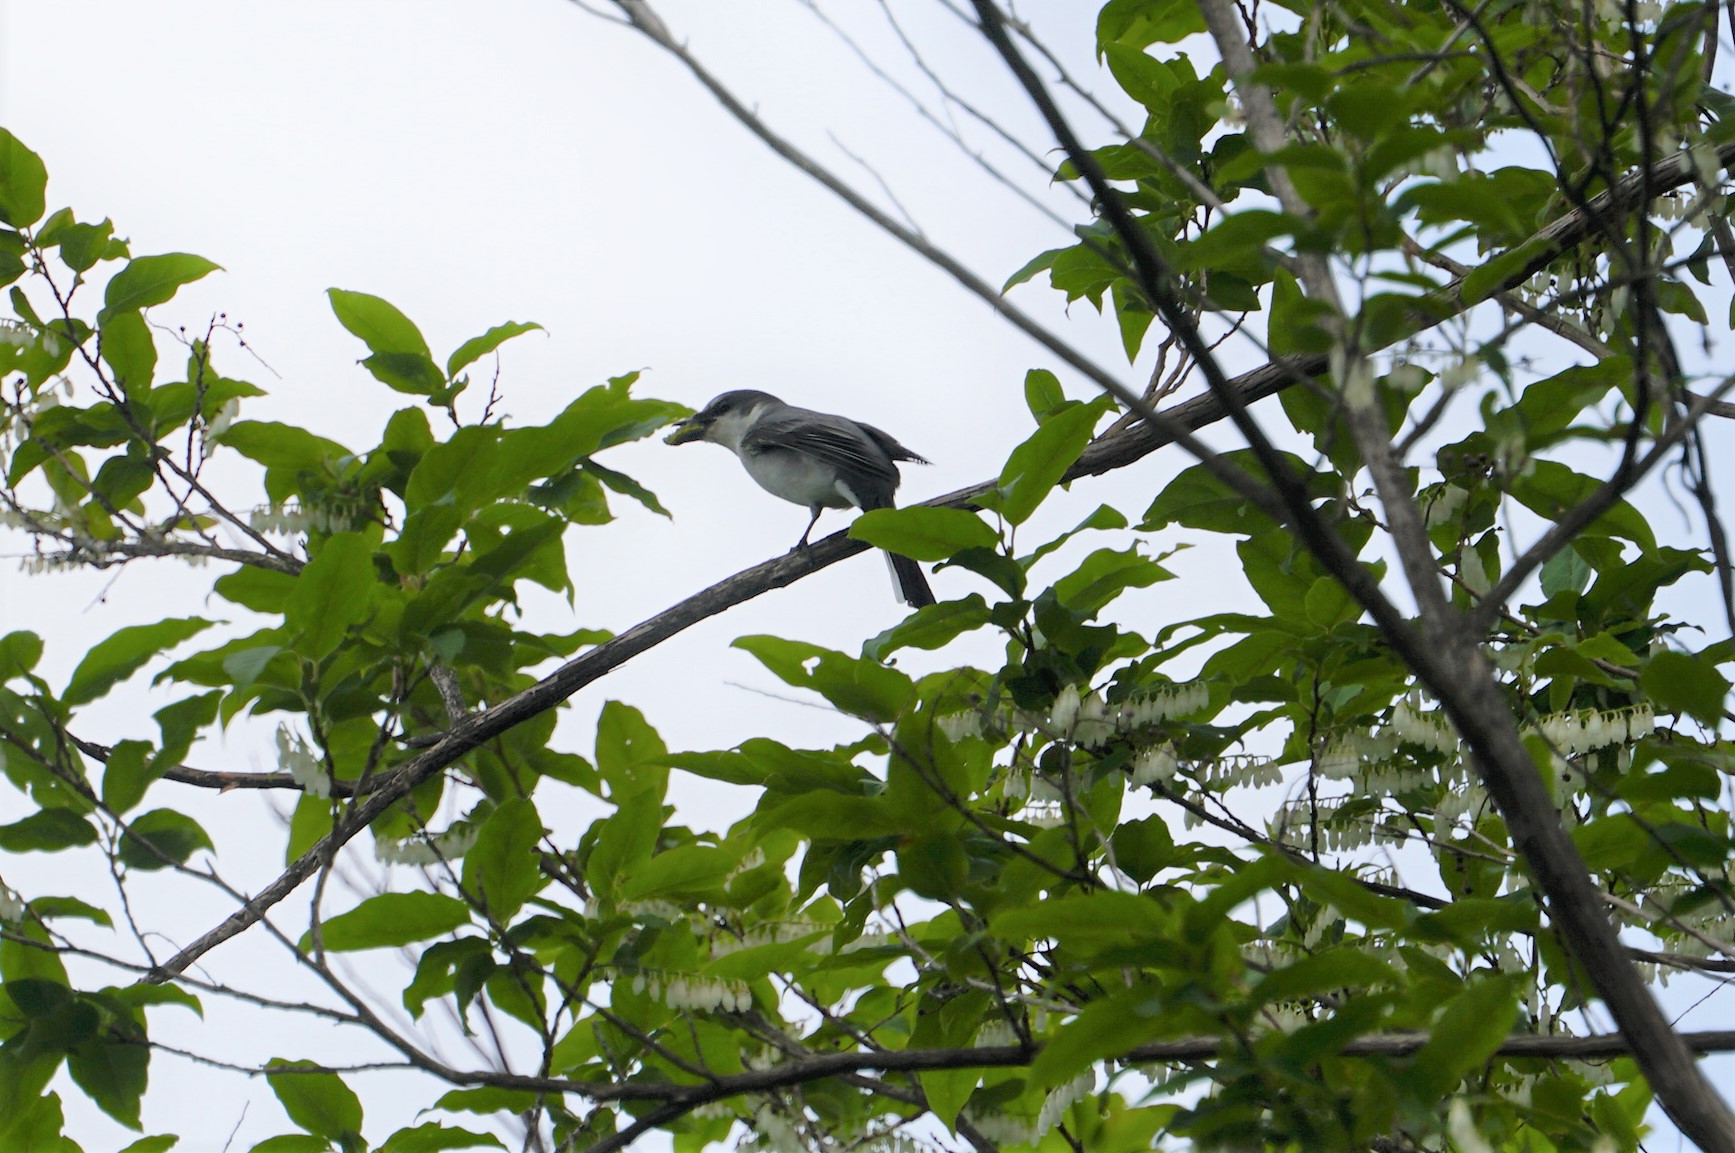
802, 543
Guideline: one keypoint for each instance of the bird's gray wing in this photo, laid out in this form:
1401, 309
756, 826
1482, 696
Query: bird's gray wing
890, 445
835, 440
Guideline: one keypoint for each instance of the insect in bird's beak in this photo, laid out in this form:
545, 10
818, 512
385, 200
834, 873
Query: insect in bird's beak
692, 428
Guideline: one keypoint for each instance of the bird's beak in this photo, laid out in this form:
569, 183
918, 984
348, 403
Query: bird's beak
692, 428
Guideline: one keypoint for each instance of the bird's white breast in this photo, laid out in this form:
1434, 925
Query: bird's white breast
798, 478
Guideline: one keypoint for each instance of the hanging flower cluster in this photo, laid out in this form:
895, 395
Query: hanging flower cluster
701, 993
296, 758
1577, 733
1006, 1129
295, 518
1428, 729
1084, 718
426, 848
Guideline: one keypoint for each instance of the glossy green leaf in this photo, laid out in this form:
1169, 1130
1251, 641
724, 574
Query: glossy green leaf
409, 372
151, 280
113, 1074
47, 831
19, 652
129, 349
1682, 683
51, 907
1467, 1031
379, 324
158, 1144
1043, 395
123, 653
319, 1102
502, 866
862, 688
389, 920
1103, 576
332, 593
161, 839
487, 1100
922, 533
931, 627
477, 347
1037, 465
433, 1137
686, 870
129, 771
1565, 571
83, 245
293, 1143
1111, 1025
23, 183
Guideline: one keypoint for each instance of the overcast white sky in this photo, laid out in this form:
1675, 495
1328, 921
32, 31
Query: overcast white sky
523, 160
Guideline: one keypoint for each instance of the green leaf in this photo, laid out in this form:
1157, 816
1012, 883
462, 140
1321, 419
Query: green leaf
389, 920
143, 996
1565, 571
284, 446
1104, 575
625, 840
319, 1102
684, 871
477, 347
1551, 489
28, 954
1196, 498
433, 1137
332, 593
293, 1143
50, 907
408, 372
630, 754
47, 831
158, 1144
379, 325
1503, 270
23, 183
128, 348
502, 866
923, 533
180, 722
948, 1091
861, 688
1043, 394
113, 1074
164, 833
128, 773
1469, 1028
487, 1100
1141, 23
1036, 466
19, 653
151, 280
1143, 848
1295, 326
1112, 1025
1683, 683
931, 627
82, 245
125, 652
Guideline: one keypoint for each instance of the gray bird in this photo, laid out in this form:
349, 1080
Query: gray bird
811, 458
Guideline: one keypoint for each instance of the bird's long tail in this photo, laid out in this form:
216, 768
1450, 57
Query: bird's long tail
910, 582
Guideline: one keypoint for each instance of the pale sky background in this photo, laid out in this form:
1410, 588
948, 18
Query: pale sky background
474, 163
